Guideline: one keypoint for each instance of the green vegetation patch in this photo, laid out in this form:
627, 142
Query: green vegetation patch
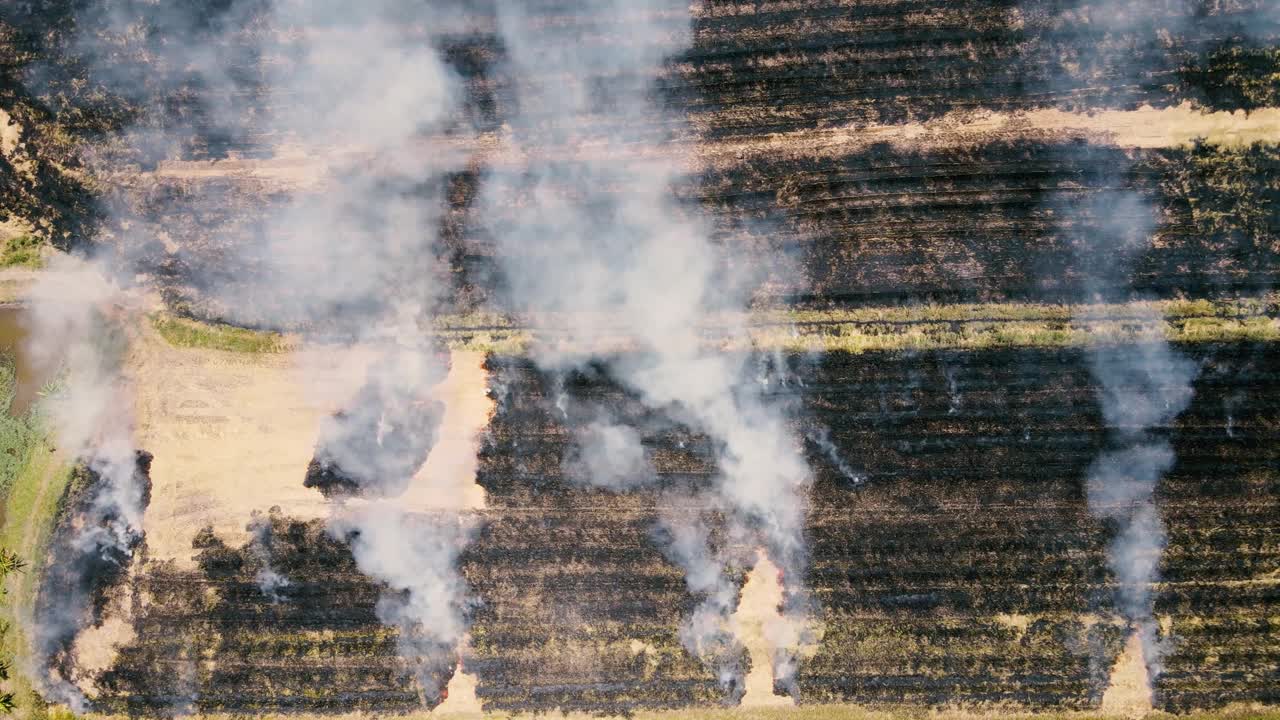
181, 332
33, 481
17, 437
21, 251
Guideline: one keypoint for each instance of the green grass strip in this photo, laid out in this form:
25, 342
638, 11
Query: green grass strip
182, 332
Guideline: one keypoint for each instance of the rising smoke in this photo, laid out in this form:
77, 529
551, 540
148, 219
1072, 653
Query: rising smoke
356, 264
353, 264
589, 221
77, 321
685, 536
1143, 387
261, 543
608, 454
416, 556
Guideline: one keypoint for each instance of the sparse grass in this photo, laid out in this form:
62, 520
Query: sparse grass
30, 513
927, 327
874, 329
21, 251
181, 332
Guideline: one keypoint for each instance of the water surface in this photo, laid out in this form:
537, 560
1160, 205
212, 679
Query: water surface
13, 337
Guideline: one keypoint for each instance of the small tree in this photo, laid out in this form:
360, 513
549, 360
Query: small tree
6, 699
9, 563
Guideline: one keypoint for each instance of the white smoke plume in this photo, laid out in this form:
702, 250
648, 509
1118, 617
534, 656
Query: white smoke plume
609, 455
270, 581
357, 261
776, 372
77, 320
686, 540
586, 225
589, 222
416, 555
1143, 387
821, 438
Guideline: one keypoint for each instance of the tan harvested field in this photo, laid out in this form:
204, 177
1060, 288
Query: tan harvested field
232, 434
447, 480
1145, 127
756, 620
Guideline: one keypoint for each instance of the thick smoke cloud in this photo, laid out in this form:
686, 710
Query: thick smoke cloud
590, 222
610, 455
356, 261
377, 443
357, 256
77, 321
686, 540
580, 210
416, 556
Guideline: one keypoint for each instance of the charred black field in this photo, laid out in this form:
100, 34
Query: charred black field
492, 357
960, 566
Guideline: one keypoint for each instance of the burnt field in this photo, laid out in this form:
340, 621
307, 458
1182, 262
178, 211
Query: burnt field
1005, 219
988, 222
210, 640
753, 68
773, 66
850, 168
960, 566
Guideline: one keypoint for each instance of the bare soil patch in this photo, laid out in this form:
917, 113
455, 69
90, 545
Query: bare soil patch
1129, 694
761, 598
